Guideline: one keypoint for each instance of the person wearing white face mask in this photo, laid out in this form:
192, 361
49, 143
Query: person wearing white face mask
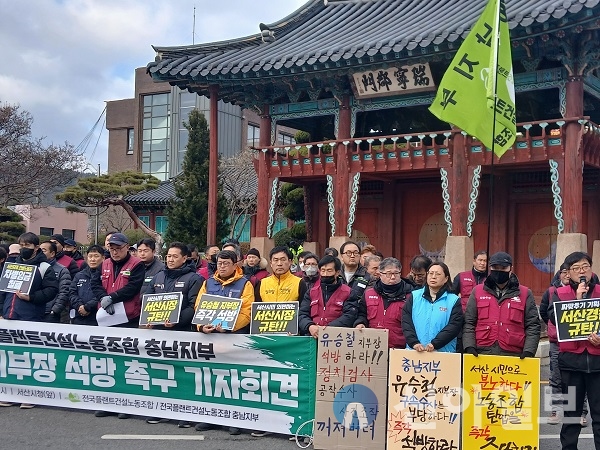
310, 270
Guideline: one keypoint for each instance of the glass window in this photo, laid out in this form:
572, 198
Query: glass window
253, 135
286, 139
145, 219
280, 224
44, 231
155, 134
187, 99
130, 141
161, 224
68, 234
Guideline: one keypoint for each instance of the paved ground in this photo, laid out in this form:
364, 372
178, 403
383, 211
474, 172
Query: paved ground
51, 428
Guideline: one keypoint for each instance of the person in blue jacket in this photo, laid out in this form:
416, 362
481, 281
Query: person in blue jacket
432, 318
84, 303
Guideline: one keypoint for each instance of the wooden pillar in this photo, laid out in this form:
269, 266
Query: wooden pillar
460, 184
263, 198
500, 224
341, 188
571, 180
213, 166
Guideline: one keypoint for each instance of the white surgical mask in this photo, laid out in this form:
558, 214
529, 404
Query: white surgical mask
311, 271
301, 266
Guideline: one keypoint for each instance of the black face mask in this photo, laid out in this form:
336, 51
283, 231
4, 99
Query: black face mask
213, 258
328, 280
499, 277
68, 252
26, 253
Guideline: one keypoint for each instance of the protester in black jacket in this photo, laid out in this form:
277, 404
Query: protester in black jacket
57, 309
146, 249
84, 304
178, 276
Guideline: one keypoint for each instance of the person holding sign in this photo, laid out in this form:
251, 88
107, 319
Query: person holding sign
228, 281
178, 276
329, 302
31, 304
432, 317
579, 360
501, 317
383, 303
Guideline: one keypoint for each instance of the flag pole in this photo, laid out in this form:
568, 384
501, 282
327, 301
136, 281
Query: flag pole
495, 83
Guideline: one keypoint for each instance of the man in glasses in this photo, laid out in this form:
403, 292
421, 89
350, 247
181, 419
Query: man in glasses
352, 270
383, 303
579, 361
418, 270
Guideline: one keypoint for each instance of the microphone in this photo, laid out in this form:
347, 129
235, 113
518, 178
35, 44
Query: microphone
583, 280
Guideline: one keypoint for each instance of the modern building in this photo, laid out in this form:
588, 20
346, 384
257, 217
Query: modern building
359, 76
146, 134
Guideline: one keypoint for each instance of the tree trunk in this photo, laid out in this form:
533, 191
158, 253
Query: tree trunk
145, 228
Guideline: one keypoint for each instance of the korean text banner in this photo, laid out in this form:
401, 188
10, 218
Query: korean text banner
158, 308
352, 379
254, 382
577, 319
424, 400
501, 402
274, 318
17, 277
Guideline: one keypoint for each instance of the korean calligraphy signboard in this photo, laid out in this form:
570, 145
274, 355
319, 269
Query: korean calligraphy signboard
158, 308
274, 318
393, 81
501, 402
242, 381
424, 400
215, 310
17, 277
351, 388
577, 319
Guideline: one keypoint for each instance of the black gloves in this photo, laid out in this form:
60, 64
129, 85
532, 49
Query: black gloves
527, 355
471, 351
110, 309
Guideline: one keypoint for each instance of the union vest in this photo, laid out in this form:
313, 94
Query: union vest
504, 322
567, 293
323, 314
390, 318
551, 330
467, 283
282, 289
111, 284
231, 290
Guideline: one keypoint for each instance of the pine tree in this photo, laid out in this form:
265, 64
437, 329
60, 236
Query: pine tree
188, 212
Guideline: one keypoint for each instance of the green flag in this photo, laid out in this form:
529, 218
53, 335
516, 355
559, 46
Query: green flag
465, 97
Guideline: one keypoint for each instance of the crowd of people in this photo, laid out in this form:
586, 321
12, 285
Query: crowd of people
481, 311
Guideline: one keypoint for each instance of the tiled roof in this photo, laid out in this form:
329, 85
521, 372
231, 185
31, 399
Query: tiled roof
154, 197
336, 34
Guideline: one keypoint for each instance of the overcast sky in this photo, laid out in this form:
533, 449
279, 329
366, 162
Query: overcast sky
62, 59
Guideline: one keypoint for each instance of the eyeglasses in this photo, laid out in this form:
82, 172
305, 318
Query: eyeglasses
355, 253
583, 268
419, 275
435, 274
390, 274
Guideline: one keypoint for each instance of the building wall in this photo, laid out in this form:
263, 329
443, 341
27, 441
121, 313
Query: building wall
55, 219
119, 119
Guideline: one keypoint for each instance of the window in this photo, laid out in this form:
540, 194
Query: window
161, 224
145, 219
156, 135
68, 234
253, 135
46, 231
286, 139
130, 141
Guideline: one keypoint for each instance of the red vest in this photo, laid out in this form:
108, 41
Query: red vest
551, 330
504, 322
467, 283
110, 284
323, 314
567, 293
390, 318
